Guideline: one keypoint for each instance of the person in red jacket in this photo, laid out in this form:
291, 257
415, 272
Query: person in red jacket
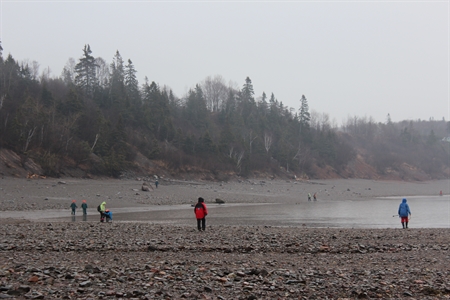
201, 212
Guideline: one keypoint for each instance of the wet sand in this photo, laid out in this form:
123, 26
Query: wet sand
40, 199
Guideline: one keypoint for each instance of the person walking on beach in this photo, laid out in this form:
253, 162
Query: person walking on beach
201, 212
309, 196
315, 196
84, 207
404, 212
101, 209
73, 206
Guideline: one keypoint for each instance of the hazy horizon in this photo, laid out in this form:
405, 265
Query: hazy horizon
353, 58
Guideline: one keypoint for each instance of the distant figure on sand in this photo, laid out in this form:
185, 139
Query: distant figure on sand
404, 212
201, 212
315, 196
156, 182
73, 206
84, 207
309, 196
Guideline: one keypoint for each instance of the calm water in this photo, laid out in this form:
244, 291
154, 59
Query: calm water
427, 212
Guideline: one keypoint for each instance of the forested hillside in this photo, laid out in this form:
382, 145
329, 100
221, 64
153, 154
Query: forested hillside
97, 118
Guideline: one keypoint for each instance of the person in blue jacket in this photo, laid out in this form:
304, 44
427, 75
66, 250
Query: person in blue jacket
108, 215
404, 212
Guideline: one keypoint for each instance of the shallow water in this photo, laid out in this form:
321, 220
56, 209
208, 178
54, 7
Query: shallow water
427, 212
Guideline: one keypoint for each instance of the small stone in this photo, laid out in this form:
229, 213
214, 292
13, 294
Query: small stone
24, 288
85, 283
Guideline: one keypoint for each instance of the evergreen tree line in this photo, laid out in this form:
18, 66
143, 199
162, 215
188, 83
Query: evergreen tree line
97, 116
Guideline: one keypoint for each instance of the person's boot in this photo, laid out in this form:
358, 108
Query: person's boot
403, 225
406, 224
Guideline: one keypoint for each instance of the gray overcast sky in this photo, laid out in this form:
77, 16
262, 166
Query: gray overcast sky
349, 58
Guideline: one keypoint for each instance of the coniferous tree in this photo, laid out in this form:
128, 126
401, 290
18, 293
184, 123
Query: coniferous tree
85, 72
47, 97
117, 91
132, 85
196, 111
157, 113
304, 116
247, 90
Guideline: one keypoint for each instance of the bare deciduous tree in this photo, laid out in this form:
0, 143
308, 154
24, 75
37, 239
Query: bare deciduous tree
95, 142
102, 71
251, 139
230, 152
302, 155
215, 92
267, 141
2, 98
28, 139
68, 72
238, 158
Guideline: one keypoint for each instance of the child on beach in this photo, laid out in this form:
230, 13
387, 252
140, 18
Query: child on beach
309, 196
404, 212
84, 207
73, 206
108, 215
201, 212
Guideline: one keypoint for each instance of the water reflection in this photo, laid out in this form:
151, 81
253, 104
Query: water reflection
427, 212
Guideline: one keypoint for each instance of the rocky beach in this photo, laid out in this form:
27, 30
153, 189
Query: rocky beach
44, 255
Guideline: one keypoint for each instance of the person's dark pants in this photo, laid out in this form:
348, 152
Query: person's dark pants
102, 217
73, 211
201, 224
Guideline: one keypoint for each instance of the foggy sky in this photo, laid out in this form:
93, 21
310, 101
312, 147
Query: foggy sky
352, 58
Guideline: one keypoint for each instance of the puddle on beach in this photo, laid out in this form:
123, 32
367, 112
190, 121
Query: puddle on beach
427, 212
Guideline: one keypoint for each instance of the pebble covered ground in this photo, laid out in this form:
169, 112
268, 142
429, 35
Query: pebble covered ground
92, 260
52, 259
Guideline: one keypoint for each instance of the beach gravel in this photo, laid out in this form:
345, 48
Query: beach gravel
59, 259
146, 261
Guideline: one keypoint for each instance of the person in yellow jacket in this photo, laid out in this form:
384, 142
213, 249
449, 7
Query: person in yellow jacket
101, 209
